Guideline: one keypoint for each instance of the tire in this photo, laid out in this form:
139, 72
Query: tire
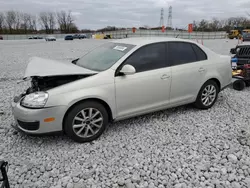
239, 85
76, 112
201, 105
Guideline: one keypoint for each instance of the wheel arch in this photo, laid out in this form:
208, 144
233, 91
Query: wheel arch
105, 104
216, 81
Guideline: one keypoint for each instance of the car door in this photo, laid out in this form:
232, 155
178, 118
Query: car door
188, 71
149, 88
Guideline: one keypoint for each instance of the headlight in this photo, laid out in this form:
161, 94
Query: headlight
35, 100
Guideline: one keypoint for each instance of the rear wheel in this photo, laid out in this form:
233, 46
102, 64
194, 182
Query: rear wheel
207, 95
86, 121
239, 85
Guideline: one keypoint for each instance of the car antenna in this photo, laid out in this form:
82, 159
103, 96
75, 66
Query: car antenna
179, 33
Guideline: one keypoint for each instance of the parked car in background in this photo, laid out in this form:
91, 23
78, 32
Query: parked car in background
79, 36
118, 80
35, 37
50, 38
1, 38
246, 37
75, 36
82, 36
69, 37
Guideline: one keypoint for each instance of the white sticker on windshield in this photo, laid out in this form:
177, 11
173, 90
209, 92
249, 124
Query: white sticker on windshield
120, 48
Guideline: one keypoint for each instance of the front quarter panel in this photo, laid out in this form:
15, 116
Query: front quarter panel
100, 86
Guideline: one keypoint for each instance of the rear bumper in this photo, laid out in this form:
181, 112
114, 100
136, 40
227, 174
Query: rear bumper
223, 88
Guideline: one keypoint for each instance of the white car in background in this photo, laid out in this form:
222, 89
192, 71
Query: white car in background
118, 80
50, 38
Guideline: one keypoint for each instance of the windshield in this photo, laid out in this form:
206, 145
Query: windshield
104, 56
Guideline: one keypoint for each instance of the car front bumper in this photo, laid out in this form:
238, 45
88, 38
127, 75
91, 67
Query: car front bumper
38, 121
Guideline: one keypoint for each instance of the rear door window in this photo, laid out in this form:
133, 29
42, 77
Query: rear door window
180, 53
200, 54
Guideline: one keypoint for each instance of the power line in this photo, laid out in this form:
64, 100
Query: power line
170, 17
162, 18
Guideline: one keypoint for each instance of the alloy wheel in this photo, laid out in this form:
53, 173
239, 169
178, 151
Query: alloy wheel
87, 122
208, 95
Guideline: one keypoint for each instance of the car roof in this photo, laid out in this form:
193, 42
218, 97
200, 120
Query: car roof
148, 40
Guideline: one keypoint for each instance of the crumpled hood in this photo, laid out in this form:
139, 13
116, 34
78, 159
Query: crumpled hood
46, 67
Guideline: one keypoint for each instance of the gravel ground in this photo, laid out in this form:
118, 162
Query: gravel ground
180, 147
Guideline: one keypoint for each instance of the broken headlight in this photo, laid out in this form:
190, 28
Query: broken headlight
35, 100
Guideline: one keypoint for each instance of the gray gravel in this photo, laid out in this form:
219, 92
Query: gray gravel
181, 147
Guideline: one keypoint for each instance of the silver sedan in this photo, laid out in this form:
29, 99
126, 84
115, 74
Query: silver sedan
118, 80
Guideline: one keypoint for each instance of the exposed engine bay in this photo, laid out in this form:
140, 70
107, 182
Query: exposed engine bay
49, 82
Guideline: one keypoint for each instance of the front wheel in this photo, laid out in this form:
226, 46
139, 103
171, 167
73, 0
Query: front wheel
86, 121
207, 95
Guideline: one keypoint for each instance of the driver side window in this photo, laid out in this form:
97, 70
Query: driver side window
148, 57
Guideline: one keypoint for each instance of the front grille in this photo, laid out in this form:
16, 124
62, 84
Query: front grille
244, 51
30, 126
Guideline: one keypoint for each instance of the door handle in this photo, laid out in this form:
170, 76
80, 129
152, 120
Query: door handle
165, 76
201, 69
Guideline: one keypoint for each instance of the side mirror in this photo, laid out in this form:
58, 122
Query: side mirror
233, 51
127, 70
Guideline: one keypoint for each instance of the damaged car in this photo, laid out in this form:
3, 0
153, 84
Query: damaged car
117, 80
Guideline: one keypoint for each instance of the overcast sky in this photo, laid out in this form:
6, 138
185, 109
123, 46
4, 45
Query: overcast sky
93, 14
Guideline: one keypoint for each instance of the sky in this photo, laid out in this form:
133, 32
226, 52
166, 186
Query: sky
95, 14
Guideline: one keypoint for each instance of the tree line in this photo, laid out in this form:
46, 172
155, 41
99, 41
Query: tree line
212, 25
16, 22
221, 24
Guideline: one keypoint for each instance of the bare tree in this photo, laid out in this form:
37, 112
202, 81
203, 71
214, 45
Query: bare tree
216, 24
10, 20
44, 20
65, 20
47, 20
2, 19
33, 23
70, 20
18, 16
52, 22
26, 18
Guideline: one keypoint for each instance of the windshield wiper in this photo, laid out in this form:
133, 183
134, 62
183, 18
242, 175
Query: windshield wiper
75, 60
